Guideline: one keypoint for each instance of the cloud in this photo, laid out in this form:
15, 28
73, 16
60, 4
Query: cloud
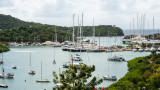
59, 12
6, 3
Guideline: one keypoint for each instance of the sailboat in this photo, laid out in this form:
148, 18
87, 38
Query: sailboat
14, 67
116, 57
54, 61
152, 48
9, 75
31, 71
68, 64
77, 58
3, 85
1, 61
42, 80
55, 43
110, 77
99, 49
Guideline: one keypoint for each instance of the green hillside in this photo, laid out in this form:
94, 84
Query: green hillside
144, 74
11, 24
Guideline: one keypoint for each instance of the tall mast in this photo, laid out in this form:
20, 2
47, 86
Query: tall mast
82, 26
2, 63
73, 30
133, 28
130, 31
153, 27
55, 35
137, 23
41, 70
144, 19
80, 35
30, 60
99, 40
78, 31
93, 32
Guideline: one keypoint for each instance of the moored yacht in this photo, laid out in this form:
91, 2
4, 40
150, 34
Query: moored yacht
134, 50
111, 78
152, 49
77, 58
116, 58
9, 75
14, 67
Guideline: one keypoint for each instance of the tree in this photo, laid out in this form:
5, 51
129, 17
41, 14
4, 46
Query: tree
74, 78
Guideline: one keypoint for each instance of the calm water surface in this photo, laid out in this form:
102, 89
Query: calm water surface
19, 56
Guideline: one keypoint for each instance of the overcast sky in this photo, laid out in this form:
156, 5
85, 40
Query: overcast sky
104, 12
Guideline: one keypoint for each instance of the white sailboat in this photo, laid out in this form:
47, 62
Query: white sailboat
1, 61
42, 80
54, 61
77, 58
152, 48
110, 77
14, 67
31, 71
56, 43
8, 75
3, 85
68, 64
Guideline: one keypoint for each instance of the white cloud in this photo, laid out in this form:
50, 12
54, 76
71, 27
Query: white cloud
59, 12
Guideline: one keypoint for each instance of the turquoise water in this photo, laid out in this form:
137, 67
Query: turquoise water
19, 56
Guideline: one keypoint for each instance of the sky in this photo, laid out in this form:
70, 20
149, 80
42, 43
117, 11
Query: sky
104, 12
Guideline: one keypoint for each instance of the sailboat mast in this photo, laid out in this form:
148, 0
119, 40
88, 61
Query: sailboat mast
133, 28
99, 40
41, 70
130, 32
153, 27
30, 60
2, 63
73, 30
93, 32
55, 35
82, 26
80, 35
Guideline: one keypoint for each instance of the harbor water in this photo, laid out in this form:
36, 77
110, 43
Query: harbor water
20, 56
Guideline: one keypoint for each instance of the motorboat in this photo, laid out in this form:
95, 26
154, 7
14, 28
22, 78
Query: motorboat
77, 58
14, 67
140, 50
134, 50
9, 75
116, 58
152, 49
111, 78
31, 71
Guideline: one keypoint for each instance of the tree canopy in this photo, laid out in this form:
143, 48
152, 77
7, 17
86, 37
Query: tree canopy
76, 79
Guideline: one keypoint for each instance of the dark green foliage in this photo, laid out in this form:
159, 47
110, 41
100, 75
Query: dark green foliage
143, 74
76, 79
8, 22
3, 47
30, 34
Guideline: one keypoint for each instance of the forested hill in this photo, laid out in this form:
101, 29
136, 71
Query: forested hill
9, 22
